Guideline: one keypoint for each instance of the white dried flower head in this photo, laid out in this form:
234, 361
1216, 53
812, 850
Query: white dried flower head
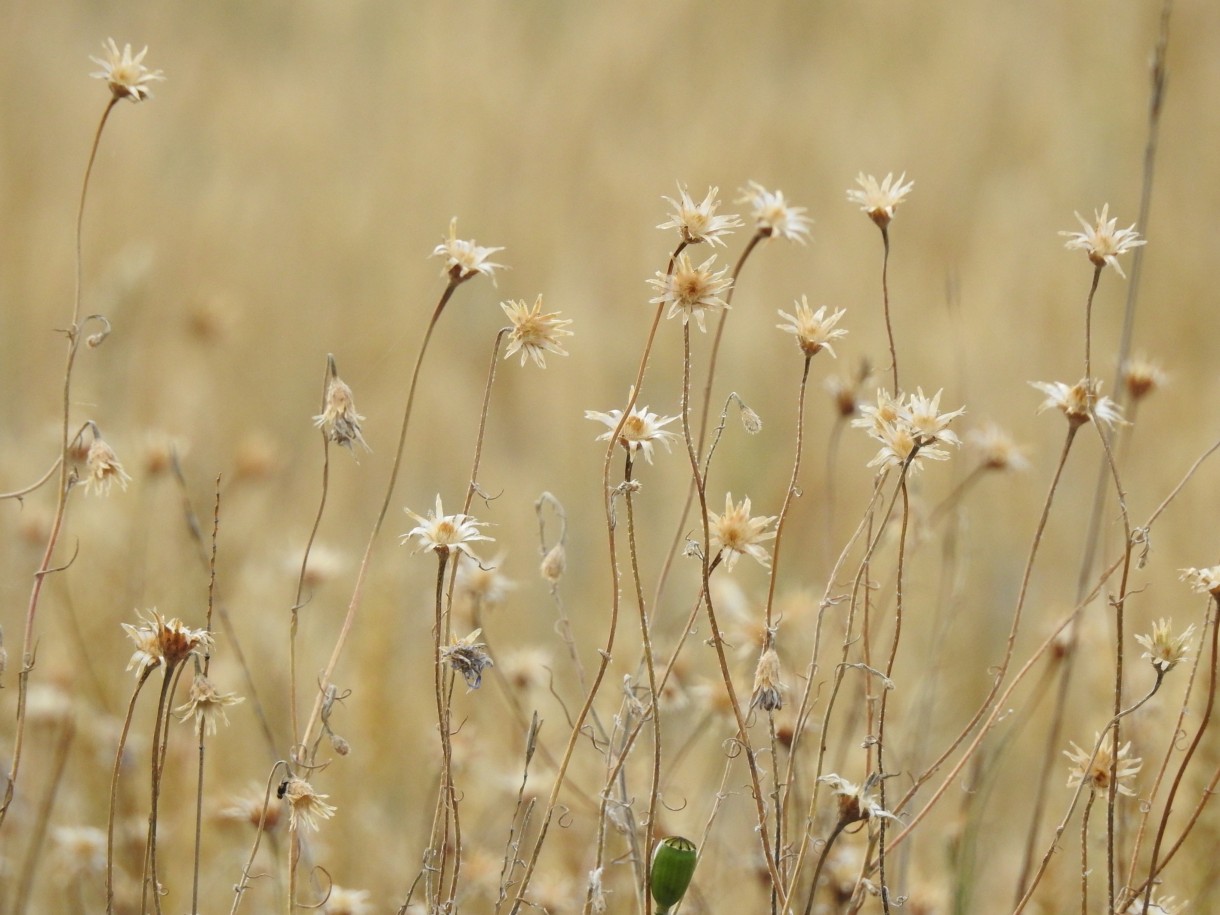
339, 421
856, 802
736, 534
464, 259
844, 393
467, 657
206, 704
768, 687
161, 641
80, 850
126, 75
878, 200
305, 806
443, 533
323, 564
534, 334
773, 216
1157, 905
692, 291
483, 586
910, 428
1203, 581
1142, 376
698, 222
814, 331
640, 431
102, 469
1102, 240
1080, 402
1096, 775
527, 668
1164, 649
342, 901
996, 448
251, 808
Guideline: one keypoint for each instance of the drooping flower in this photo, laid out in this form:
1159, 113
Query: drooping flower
305, 806
103, 469
692, 291
768, 688
856, 802
464, 259
879, 200
698, 222
534, 334
443, 533
773, 216
640, 431
813, 330
1203, 581
1096, 775
206, 704
339, 421
1102, 240
126, 75
736, 534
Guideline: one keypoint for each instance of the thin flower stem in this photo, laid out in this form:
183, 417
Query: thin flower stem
438, 841
1084, 853
885, 297
114, 786
160, 746
478, 443
37, 484
1088, 322
25, 883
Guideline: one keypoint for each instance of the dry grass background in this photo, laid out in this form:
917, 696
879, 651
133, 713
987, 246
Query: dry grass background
277, 199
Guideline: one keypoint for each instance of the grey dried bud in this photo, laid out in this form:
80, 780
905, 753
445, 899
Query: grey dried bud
750, 420
554, 563
340, 744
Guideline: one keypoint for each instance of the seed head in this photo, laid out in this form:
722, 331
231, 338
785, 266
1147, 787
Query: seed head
768, 688
856, 802
467, 657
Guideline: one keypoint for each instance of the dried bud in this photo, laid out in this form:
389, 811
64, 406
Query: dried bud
554, 564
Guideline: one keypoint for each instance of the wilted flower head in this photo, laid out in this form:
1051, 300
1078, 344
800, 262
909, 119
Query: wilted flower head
768, 689
161, 641
342, 901
879, 200
1080, 402
126, 76
698, 222
102, 468
773, 215
305, 806
484, 587
467, 657
909, 428
534, 334
443, 533
1163, 648
640, 431
207, 704
80, 849
1142, 376
996, 449
339, 421
813, 329
856, 802
252, 808
1096, 776
736, 534
463, 259
1203, 581
692, 291
1102, 240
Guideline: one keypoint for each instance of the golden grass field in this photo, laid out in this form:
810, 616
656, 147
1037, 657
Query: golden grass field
276, 201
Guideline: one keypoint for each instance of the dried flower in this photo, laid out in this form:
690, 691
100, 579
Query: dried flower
1163, 648
102, 469
442, 533
768, 689
1142, 376
467, 657
463, 259
692, 291
996, 449
554, 563
1203, 581
856, 802
640, 431
879, 200
252, 808
534, 334
80, 849
339, 421
1096, 775
482, 586
843, 393
1080, 402
343, 901
206, 704
305, 806
1102, 240
1157, 905
698, 222
736, 534
773, 216
126, 76
813, 330
161, 641
909, 427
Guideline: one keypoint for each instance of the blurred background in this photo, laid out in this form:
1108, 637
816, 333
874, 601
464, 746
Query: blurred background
276, 201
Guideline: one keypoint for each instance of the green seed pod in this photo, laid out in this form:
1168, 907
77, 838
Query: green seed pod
673, 865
